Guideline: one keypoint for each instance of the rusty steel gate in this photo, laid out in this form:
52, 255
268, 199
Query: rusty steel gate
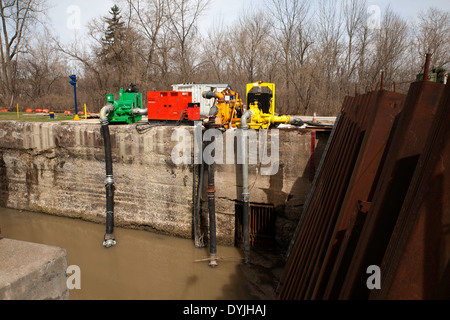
262, 227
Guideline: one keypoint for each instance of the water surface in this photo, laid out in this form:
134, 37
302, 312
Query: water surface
142, 266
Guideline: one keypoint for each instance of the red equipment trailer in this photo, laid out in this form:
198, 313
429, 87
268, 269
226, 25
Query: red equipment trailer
172, 106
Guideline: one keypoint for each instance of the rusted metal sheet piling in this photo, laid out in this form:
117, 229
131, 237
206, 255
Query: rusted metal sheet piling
419, 248
321, 211
369, 199
407, 143
354, 207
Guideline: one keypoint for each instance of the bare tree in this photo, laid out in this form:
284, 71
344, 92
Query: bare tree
214, 49
149, 17
362, 52
168, 67
248, 39
314, 56
354, 20
290, 21
17, 19
302, 71
183, 18
327, 58
110, 61
42, 67
389, 48
432, 35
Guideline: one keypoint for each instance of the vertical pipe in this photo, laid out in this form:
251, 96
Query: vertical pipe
195, 192
245, 204
245, 190
212, 217
109, 239
211, 198
75, 94
198, 144
198, 243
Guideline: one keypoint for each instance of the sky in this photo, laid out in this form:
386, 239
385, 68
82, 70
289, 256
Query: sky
63, 14
69, 17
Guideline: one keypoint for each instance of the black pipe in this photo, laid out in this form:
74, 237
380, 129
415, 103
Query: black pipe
198, 243
211, 199
109, 239
245, 229
246, 117
209, 94
212, 217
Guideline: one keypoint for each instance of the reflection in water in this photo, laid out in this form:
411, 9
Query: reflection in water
142, 266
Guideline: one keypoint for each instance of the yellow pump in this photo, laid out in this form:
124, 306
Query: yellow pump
228, 107
261, 104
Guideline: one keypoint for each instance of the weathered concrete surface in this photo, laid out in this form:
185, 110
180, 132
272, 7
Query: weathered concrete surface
58, 168
30, 271
286, 190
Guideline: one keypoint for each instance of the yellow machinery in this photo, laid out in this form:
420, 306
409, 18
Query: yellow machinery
260, 113
261, 107
227, 112
227, 107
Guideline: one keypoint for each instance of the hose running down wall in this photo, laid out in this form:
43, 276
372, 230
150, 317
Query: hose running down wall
109, 239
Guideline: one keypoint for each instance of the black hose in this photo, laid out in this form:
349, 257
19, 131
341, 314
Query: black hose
246, 230
198, 243
318, 124
108, 157
245, 190
109, 239
212, 217
211, 200
109, 211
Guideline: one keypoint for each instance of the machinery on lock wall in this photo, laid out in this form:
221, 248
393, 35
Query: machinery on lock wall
127, 109
177, 107
261, 108
227, 108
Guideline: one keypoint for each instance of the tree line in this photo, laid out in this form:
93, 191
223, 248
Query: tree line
316, 52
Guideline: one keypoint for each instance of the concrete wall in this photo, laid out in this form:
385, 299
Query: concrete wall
30, 271
58, 168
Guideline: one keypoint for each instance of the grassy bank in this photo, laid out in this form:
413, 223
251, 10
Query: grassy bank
35, 117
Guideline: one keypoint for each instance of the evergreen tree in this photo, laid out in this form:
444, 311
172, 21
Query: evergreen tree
114, 30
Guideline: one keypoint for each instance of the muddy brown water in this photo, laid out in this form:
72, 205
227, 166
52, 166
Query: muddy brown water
142, 266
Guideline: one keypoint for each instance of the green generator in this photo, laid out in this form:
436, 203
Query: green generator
128, 109
436, 75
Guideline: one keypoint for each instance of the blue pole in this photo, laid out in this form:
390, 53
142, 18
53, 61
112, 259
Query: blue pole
74, 83
75, 93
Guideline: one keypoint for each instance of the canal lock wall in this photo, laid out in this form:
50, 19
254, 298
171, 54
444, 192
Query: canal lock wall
58, 168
